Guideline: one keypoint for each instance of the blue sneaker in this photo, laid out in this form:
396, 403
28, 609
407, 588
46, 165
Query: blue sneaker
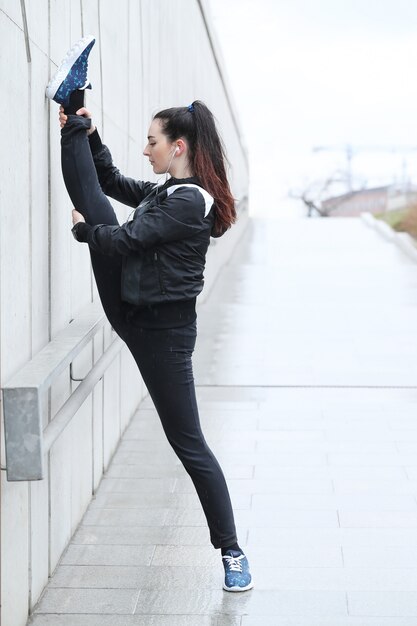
72, 73
237, 574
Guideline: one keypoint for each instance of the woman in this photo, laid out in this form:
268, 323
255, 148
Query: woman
149, 270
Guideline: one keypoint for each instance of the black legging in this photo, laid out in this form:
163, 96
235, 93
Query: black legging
162, 355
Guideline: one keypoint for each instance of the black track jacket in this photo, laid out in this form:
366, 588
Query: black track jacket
164, 246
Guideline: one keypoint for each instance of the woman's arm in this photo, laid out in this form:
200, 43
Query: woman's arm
122, 188
179, 216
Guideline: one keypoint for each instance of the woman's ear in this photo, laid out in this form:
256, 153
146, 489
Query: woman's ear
181, 147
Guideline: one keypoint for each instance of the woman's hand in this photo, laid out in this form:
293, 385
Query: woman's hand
83, 111
77, 217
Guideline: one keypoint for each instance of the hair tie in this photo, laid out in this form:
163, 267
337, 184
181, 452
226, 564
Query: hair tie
191, 108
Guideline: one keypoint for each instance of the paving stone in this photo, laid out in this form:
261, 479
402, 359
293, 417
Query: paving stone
297, 536
369, 433
294, 501
379, 519
262, 603
274, 460
125, 517
107, 555
144, 430
380, 556
375, 603
277, 438
55, 600
225, 421
186, 555
143, 577
300, 518
375, 458
167, 470
377, 538
141, 446
220, 445
135, 620
146, 457
292, 421
228, 405
140, 535
321, 554
332, 447
332, 621
367, 472
186, 517
98, 576
374, 486
293, 472
136, 485
377, 502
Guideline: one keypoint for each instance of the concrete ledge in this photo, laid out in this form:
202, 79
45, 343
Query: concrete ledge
404, 241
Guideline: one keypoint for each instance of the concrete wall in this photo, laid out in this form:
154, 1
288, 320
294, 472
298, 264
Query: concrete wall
149, 54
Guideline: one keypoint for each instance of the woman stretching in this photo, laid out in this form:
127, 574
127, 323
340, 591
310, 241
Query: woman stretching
149, 270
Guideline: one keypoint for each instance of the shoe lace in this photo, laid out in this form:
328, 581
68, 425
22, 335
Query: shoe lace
234, 562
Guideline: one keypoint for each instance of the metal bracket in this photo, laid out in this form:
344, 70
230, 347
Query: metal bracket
77, 380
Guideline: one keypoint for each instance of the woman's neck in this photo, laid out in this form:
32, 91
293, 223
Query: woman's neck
180, 170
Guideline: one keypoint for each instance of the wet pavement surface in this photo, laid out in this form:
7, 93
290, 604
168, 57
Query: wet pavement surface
306, 373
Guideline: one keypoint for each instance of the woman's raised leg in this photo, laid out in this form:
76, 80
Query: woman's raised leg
84, 189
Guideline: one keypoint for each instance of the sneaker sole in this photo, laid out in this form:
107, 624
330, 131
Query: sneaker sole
250, 586
66, 64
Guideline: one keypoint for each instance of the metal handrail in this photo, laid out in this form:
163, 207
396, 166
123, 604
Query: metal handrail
71, 406
25, 440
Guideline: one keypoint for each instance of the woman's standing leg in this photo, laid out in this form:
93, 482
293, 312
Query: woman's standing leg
84, 189
164, 360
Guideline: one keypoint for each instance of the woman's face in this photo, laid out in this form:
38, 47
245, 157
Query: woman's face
158, 149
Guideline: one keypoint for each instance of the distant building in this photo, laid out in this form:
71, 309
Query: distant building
375, 200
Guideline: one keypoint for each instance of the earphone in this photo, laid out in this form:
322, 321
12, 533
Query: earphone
174, 152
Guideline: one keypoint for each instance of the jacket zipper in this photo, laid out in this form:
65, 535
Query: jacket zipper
158, 269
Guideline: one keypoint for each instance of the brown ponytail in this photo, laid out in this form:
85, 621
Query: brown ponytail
207, 155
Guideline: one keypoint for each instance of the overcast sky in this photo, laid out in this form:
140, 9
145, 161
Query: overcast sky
308, 73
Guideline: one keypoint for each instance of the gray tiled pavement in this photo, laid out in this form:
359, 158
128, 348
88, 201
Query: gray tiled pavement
306, 368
